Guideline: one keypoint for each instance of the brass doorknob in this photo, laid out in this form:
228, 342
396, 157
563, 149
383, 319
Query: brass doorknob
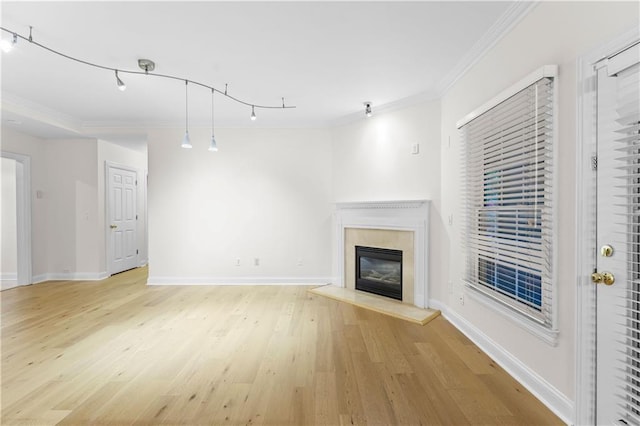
606, 250
606, 278
113, 226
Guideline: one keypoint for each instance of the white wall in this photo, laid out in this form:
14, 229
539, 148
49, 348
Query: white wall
265, 194
72, 207
553, 33
9, 247
373, 161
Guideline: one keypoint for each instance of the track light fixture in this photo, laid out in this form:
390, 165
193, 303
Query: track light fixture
146, 66
213, 146
367, 109
120, 83
186, 141
6, 45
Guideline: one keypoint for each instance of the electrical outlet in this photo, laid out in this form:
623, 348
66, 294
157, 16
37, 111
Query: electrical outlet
415, 148
256, 261
461, 299
238, 262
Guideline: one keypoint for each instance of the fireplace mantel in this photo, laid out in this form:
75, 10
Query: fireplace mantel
410, 215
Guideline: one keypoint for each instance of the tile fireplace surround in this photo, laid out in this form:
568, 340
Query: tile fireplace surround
373, 223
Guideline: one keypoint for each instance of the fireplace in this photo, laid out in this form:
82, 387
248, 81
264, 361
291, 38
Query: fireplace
379, 271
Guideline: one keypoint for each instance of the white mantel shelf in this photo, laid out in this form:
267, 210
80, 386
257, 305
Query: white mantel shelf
403, 215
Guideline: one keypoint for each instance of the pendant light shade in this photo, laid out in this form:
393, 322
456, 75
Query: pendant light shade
213, 146
186, 141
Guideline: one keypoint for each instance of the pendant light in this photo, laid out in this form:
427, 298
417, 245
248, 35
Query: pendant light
213, 146
186, 141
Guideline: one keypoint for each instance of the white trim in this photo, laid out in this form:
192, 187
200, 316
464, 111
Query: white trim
550, 71
585, 300
23, 215
500, 28
405, 215
70, 276
238, 280
538, 330
555, 400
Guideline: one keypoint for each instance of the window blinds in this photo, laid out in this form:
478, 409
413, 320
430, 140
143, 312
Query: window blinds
507, 175
627, 145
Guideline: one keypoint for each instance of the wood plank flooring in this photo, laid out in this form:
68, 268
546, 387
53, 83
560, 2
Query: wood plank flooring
118, 352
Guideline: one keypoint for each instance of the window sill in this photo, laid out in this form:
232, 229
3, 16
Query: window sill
545, 334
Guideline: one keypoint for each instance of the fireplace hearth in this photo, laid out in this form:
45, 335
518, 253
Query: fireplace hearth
379, 271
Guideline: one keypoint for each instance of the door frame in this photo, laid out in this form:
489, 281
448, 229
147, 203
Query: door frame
23, 215
585, 337
107, 205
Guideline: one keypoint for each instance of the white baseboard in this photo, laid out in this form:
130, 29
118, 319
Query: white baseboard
8, 280
238, 280
69, 276
555, 400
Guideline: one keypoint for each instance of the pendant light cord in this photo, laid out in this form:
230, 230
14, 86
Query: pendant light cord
186, 104
168, 76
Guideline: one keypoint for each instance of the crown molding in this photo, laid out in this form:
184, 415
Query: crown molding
29, 109
498, 30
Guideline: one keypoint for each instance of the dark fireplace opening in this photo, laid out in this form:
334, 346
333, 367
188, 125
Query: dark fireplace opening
379, 271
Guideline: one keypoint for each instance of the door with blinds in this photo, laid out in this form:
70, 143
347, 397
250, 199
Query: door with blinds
617, 261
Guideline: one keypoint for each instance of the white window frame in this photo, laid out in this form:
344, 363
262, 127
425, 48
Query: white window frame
547, 333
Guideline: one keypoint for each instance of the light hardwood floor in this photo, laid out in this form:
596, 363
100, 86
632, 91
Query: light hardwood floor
118, 352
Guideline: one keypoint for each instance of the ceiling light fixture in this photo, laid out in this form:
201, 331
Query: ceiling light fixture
186, 141
120, 83
145, 64
367, 109
6, 45
213, 146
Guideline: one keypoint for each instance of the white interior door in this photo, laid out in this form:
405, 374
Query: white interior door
618, 240
121, 218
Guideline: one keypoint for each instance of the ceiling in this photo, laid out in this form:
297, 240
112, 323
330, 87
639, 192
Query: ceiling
326, 58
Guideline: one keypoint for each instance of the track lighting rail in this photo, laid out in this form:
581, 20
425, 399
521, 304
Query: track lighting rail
124, 71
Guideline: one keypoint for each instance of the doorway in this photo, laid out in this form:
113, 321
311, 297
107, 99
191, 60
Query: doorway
608, 328
22, 166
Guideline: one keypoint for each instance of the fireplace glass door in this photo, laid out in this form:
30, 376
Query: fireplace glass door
379, 271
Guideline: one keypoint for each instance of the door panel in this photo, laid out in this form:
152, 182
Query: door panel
122, 217
618, 227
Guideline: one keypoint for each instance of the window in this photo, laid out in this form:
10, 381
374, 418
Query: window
508, 204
